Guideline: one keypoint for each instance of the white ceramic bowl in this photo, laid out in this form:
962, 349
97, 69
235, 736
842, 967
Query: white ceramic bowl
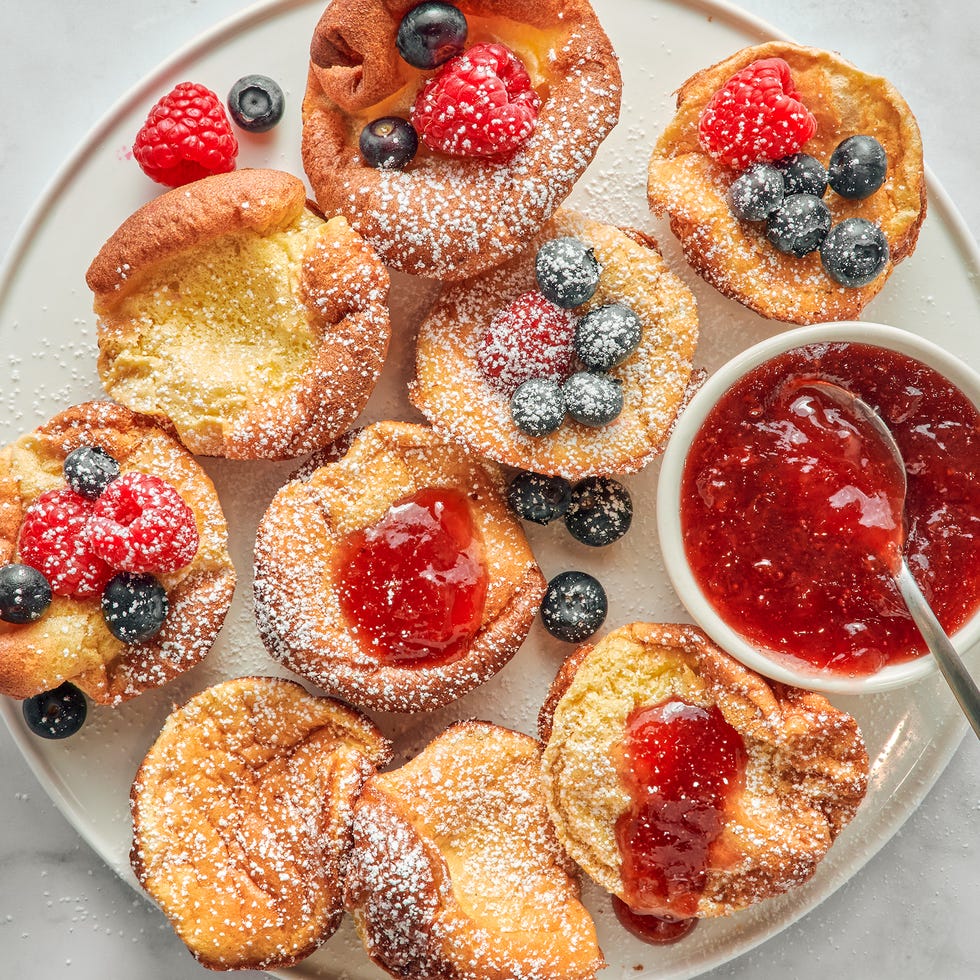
669, 495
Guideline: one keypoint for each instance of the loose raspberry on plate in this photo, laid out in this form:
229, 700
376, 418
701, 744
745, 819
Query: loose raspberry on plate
479, 104
142, 524
53, 539
756, 116
186, 136
530, 338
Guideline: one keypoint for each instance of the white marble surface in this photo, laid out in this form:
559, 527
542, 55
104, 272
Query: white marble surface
911, 912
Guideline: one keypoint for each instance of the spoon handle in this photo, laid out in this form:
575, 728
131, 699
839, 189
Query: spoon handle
961, 683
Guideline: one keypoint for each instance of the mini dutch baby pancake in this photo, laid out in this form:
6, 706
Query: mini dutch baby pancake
571, 359
455, 870
447, 134
793, 181
395, 575
688, 786
242, 815
114, 567
234, 315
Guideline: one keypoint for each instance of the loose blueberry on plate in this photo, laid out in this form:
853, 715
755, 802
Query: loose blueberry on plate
24, 594
607, 335
756, 193
567, 272
538, 498
388, 143
855, 252
538, 406
857, 167
256, 103
430, 34
89, 470
600, 511
593, 399
799, 224
802, 174
134, 607
574, 606
56, 714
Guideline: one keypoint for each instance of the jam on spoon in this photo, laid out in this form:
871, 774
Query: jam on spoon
878, 441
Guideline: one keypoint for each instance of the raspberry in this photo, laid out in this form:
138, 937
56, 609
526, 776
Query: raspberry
756, 116
185, 137
142, 524
479, 104
531, 338
53, 539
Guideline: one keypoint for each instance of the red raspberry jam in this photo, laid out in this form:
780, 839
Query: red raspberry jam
413, 586
680, 763
790, 515
658, 930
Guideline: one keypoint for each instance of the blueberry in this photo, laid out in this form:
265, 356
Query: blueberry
389, 143
802, 174
855, 252
607, 335
24, 594
430, 34
756, 193
857, 167
89, 470
538, 498
799, 224
593, 399
600, 512
56, 714
567, 272
538, 406
256, 103
134, 607
574, 606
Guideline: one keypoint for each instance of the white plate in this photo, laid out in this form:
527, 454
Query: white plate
48, 331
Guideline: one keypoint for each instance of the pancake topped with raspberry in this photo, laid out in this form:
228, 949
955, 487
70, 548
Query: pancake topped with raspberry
447, 134
588, 388
114, 565
793, 181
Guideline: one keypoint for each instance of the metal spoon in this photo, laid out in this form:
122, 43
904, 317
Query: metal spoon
961, 683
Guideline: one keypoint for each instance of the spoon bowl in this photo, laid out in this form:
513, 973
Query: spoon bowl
947, 659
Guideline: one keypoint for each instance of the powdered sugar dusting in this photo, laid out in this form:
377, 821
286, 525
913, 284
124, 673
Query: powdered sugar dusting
806, 772
450, 389
447, 218
241, 814
456, 870
296, 596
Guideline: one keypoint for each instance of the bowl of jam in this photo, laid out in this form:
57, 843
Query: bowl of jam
781, 520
